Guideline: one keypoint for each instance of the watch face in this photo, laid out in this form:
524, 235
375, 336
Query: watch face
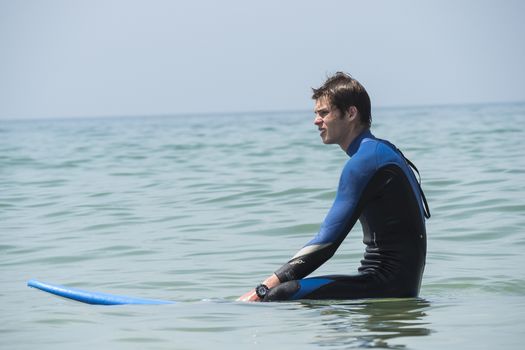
261, 291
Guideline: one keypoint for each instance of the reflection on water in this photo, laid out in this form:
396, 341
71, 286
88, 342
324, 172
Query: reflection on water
372, 323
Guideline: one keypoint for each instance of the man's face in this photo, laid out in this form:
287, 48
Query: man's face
333, 126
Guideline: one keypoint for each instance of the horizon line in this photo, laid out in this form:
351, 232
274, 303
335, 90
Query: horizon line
247, 112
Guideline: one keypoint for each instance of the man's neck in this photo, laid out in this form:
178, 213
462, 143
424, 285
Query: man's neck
353, 133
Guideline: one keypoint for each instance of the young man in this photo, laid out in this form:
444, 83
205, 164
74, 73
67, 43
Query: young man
378, 187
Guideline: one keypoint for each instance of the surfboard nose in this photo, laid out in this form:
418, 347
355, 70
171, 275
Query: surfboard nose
93, 298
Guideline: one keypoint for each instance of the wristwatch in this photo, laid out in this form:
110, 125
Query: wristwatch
261, 290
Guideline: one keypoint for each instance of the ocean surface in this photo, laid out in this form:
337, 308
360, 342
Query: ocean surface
199, 209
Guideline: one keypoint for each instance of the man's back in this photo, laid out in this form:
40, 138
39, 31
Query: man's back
392, 217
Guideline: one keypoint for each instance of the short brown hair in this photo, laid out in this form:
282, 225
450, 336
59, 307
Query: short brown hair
344, 91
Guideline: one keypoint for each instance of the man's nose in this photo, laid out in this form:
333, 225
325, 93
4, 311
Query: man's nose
318, 120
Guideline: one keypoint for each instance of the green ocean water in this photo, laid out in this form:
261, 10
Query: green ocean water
199, 209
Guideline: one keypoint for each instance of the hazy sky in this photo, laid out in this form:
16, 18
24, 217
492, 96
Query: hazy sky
123, 57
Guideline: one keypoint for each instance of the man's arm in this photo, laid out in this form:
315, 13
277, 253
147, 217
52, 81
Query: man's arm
322, 247
345, 211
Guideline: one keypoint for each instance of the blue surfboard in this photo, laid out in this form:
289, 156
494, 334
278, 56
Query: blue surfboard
93, 298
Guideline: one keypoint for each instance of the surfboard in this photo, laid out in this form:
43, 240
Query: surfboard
93, 298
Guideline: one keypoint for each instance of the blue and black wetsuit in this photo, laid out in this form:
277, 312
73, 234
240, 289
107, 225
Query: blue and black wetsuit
377, 187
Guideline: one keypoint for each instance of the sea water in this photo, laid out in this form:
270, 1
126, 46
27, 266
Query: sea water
200, 208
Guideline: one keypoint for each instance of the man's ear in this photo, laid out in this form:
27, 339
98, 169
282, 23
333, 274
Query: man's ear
351, 112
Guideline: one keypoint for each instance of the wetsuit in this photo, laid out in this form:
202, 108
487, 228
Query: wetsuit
377, 187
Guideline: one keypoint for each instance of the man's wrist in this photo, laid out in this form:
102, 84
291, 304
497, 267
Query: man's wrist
262, 290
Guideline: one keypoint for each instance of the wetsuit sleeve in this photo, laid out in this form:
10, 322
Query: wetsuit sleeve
340, 219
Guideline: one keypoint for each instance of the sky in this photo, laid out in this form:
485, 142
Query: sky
65, 58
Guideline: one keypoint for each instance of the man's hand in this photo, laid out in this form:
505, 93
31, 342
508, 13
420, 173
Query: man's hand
250, 296
270, 282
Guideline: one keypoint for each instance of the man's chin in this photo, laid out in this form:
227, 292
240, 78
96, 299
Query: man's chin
326, 141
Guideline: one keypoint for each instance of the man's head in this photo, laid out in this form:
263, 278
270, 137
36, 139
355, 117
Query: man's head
342, 92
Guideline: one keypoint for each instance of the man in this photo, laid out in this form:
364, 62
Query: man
378, 187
